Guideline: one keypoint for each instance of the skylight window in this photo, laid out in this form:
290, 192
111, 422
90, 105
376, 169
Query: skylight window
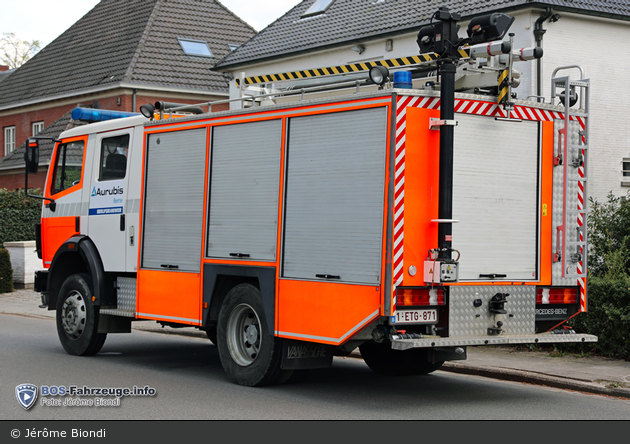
195, 47
319, 7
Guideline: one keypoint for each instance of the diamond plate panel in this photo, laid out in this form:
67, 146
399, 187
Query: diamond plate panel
572, 202
466, 320
126, 294
126, 297
542, 338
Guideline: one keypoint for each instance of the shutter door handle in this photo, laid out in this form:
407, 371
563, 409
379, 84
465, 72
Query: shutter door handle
169, 266
493, 276
239, 254
328, 276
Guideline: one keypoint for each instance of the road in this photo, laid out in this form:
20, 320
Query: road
190, 384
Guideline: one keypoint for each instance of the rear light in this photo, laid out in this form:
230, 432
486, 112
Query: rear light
408, 297
556, 296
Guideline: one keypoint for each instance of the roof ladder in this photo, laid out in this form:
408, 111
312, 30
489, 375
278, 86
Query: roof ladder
572, 157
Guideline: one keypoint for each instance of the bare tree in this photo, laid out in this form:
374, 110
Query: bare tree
15, 52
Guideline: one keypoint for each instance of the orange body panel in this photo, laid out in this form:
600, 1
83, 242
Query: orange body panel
55, 231
422, 166
169, 295
546, 226
325, 312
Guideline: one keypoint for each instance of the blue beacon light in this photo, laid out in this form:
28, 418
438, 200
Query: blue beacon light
98, 115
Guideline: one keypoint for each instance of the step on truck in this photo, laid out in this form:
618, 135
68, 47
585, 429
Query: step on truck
308, 226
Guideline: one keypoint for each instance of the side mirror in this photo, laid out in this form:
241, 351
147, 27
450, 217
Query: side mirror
31, 156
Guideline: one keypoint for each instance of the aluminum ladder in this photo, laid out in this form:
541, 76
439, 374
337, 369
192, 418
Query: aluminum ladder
572, 157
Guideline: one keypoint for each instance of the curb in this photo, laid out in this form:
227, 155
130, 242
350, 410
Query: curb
528, 377
508, 374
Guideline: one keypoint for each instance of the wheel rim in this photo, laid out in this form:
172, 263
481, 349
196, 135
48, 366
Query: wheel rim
243, 335
73, 315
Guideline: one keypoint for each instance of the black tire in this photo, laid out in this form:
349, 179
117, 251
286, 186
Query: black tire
249, 354
384, 360
77, 317
211, 332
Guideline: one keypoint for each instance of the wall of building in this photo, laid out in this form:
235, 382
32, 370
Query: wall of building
402, 46
588, 41
574, 39
22, 119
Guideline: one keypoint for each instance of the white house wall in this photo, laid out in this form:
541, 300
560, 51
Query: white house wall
574, 39
592, 43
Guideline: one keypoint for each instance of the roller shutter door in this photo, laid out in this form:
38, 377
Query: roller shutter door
335, 196
244, 189
174, 195
495, 198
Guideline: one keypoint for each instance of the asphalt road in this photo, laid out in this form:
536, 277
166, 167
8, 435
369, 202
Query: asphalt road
190, 384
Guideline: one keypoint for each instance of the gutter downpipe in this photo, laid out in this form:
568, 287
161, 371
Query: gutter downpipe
538, 35
133, 100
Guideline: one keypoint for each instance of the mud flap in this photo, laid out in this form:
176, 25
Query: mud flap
300, 355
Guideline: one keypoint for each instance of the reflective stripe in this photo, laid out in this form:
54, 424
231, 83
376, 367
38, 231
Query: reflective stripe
335, 340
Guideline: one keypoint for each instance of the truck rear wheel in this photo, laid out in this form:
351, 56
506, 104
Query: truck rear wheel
77, 317
384, 360
250, 355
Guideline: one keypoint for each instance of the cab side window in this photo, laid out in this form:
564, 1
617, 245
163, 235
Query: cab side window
114, 152
68, 166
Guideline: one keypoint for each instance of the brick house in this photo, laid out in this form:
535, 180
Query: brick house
328, 33
119, 56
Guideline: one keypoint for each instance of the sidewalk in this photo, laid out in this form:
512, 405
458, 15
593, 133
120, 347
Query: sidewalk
586, 374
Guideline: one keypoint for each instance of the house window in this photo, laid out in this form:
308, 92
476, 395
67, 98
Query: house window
232, 46
9, 140
625, 172
38, 127
195, 47
319, 7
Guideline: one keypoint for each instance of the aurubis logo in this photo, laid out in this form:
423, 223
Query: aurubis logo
111, 192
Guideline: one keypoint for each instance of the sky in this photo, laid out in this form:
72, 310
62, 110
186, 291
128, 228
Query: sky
45, 20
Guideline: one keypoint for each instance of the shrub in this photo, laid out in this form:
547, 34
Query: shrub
608, 316
609, 236
18, 216
6, 272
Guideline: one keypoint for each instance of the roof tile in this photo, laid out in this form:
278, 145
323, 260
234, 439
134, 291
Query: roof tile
132, 41
347, 21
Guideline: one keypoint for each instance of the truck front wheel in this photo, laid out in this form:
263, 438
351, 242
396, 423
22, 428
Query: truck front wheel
77, 317
250, 355
384, 360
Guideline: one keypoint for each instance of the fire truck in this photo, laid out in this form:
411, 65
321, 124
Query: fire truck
308, 222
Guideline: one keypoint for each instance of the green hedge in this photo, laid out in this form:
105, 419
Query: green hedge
6, 272
608, 317
18, 216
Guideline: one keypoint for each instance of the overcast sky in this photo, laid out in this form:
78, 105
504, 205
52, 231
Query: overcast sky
45, 20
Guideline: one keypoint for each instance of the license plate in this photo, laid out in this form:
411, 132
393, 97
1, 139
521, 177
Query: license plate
424, 316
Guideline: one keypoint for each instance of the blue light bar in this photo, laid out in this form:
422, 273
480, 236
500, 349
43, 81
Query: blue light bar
99, 115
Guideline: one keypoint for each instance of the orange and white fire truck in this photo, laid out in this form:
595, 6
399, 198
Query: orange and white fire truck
304, 228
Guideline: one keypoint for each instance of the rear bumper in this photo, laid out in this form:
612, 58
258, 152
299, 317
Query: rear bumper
542, 338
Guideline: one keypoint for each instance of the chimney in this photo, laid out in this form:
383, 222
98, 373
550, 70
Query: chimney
4, 68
